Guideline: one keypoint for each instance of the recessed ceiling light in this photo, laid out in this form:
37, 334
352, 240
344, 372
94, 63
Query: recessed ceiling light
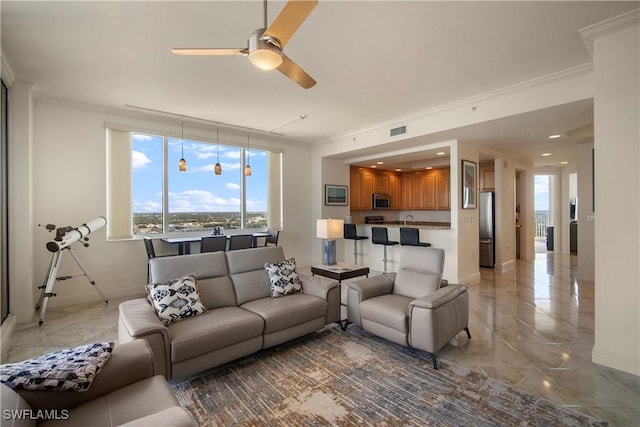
441, 153
374, 166
564, 163
398, 170
554, 136
545, 154
380, 163
429, 167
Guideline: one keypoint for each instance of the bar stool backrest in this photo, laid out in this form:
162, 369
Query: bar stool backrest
213, 244
379, 235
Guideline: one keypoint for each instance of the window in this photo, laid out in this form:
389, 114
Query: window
164, 200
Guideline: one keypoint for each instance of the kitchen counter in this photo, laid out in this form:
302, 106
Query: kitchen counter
439, 234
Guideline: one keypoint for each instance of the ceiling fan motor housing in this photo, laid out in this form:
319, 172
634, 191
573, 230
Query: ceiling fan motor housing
264, 52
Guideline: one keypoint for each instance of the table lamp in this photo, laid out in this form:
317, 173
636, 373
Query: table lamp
329, 230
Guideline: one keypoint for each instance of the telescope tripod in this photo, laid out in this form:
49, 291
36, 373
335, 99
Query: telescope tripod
47, 286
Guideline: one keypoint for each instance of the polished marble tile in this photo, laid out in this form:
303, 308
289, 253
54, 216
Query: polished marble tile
532, 327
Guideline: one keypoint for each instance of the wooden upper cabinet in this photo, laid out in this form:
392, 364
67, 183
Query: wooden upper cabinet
419, 190
381, 183
361, 189
395, 191
429, 190
443, 189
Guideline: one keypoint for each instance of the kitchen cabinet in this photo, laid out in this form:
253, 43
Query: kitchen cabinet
487, 179
417, 190
361, 189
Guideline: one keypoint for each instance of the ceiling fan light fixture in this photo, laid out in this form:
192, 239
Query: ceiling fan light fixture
264, 52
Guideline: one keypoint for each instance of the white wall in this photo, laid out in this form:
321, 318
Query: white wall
21, 228
586, 230
616, 55
505, 178
466, 220
69, 188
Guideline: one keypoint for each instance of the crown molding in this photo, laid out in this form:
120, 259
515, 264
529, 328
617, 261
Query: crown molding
617, 23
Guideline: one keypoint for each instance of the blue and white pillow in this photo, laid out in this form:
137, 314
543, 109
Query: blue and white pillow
175, 299
284, 278
72, 369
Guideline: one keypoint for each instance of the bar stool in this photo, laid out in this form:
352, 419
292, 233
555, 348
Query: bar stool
410, 236
351, 234
379, 237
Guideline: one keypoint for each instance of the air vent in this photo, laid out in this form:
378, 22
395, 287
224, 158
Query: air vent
398, 131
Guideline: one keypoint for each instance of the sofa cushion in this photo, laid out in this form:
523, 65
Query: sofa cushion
287, 311
134, 402
246, 267
67, 369
389, 310
420, 271
283, 277
214, 284
214, 330
176, 299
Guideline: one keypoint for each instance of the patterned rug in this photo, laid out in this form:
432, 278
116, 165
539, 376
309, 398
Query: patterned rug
354, 378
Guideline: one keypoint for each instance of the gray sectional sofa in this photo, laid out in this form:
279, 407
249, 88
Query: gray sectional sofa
242, 317
124, 393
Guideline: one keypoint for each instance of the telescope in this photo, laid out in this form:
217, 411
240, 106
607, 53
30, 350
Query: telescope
65, 236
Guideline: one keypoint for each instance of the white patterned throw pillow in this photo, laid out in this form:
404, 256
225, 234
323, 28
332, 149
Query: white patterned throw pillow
175, 299
284, 278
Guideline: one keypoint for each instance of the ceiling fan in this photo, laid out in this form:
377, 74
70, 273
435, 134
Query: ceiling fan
264, 47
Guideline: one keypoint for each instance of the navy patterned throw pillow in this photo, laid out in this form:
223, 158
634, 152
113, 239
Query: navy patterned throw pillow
284, 278
175, 299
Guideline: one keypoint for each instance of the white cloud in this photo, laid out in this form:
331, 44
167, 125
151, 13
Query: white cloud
201, 201
231, 186
142, 137
147, 206
139, 160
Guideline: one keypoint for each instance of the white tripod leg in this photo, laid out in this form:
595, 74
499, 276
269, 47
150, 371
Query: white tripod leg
93, 283
47, 292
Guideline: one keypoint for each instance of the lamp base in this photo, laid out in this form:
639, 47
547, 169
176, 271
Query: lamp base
329, 252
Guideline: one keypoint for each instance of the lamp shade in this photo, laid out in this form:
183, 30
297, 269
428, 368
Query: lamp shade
330, 228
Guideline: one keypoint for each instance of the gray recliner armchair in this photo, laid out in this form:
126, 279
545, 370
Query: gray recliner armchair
413, 307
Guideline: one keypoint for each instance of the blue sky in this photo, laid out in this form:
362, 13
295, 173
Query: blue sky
198, 189
541, 192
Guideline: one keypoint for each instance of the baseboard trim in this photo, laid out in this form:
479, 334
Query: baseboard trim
508, 265
617, 361
475, 277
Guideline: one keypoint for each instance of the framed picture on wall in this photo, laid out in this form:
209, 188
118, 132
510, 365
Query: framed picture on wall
336, 195
469, 184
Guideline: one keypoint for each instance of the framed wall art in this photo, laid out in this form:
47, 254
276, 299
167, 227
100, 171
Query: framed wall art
469, 184
336, 195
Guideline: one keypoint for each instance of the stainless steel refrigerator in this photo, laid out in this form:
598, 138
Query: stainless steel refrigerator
486, 221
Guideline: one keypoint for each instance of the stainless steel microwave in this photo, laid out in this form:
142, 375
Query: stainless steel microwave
381, 201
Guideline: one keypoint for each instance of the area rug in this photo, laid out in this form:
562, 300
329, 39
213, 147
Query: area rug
354, 378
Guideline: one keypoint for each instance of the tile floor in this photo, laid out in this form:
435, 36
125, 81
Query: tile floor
532, 327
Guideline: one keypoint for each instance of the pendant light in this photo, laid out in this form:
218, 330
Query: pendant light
217, 169
247, 169
182, 164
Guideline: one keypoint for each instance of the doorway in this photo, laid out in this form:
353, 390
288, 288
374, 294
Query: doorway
543, 213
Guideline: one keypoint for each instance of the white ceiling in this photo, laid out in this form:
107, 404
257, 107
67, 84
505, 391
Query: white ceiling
373, 61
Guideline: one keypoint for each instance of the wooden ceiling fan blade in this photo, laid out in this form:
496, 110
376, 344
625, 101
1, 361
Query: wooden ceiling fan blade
292, 15
209, 52
295, 73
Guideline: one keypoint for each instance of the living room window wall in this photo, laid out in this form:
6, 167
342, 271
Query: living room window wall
148, 194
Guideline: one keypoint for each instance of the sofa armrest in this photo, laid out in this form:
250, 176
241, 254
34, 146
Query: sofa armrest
138, 320
128, 363
317, 285
373, 286
326, 289
439, 297
360, 290
170, 417
438, 317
